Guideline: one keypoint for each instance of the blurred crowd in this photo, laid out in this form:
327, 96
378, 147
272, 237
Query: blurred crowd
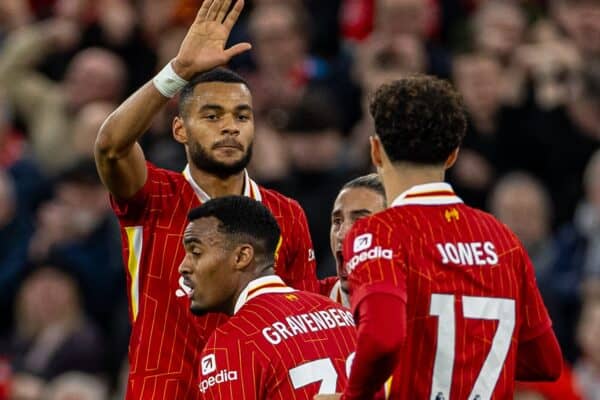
529, 72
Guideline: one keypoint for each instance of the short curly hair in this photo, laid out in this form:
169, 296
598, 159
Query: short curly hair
419, 119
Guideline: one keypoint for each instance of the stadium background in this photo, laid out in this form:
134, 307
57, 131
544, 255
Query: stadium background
529, 72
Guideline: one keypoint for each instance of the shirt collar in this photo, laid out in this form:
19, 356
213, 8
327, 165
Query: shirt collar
266, 284
251, 189
438, 193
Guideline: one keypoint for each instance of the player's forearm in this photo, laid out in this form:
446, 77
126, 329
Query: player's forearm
380, 338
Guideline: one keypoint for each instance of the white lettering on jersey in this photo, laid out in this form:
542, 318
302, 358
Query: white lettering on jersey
223, 376
309, 322
372, 254
471, 253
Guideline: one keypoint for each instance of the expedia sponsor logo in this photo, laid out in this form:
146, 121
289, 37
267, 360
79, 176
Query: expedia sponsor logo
362, 242
209, 364
221, 377
372, 254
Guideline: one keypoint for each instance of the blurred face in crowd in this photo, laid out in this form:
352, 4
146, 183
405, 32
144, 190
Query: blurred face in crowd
87, 124
477, 78
522, 206
581, 20
208, 268
278, 43
402, 17
217, 127
94, 75
499, 28
83, 205
589, 331
350, 205
47, 296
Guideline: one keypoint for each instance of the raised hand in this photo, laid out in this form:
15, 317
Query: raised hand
203, 47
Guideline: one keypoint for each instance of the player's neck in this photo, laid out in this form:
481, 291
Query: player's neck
244, 281
400, 177
218, 186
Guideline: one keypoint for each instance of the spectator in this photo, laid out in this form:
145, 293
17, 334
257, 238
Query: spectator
315, 143
478, 79
77, 227
281, 33
523, 204
47, 107
52, 334
578, 258
498, 29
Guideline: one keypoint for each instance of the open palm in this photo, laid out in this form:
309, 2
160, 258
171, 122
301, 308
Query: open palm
203, 47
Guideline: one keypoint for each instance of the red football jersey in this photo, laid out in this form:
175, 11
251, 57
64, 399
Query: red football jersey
469, 287
280, 344
166, 338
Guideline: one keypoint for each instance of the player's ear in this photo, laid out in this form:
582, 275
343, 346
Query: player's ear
178, 128
376, 149
244, 256
451, 158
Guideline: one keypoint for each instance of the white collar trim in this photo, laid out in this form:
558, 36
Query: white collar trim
266, 284
438, 193
251, 189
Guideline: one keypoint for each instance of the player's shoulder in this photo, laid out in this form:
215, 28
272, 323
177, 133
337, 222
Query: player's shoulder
278, 203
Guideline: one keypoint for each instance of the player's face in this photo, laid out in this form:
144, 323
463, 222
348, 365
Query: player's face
207, 268
350, 205
219, 128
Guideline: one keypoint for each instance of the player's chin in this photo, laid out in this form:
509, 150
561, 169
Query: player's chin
197, 309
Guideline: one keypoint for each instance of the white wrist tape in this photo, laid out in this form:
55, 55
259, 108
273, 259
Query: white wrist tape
167, 82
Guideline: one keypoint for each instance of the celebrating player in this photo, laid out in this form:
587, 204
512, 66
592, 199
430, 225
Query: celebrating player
215, 125
279, 342
358, 198
444, 295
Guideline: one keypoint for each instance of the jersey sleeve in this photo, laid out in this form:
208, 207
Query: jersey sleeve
535, 318
296, 261
229, 370
374, 261
157, 188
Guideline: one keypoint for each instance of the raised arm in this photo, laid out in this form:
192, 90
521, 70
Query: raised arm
119, 157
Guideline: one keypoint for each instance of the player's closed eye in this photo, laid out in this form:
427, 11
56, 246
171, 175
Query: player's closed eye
244, 118
211, 117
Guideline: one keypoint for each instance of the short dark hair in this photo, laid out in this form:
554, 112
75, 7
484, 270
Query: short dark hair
369, 181
244, 220
419, 119
218, 74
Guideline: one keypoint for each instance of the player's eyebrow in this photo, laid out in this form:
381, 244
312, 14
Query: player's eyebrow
187, 240
243, 107
211, 107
